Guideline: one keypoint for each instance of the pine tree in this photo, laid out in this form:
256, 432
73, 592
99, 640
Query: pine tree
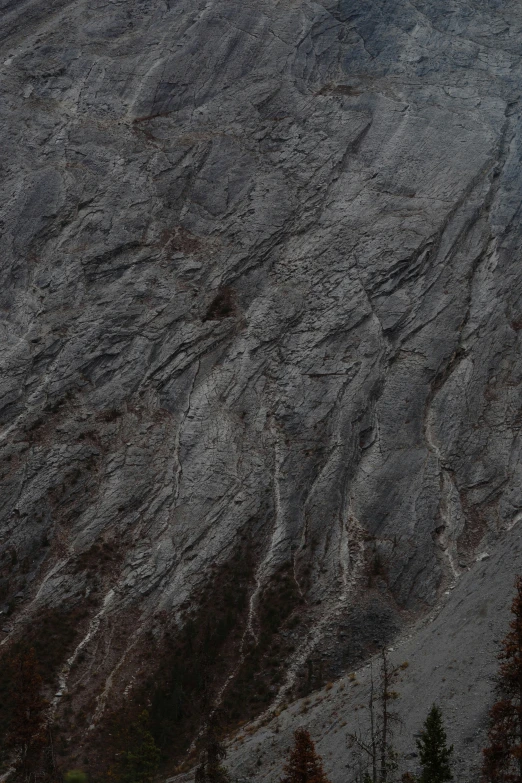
304, 765
27, 730
210, 768
502, 761
434, 752
140, 761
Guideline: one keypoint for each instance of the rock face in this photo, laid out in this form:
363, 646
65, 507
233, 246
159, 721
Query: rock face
261, 303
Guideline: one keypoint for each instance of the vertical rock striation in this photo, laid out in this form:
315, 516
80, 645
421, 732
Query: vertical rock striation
261, 292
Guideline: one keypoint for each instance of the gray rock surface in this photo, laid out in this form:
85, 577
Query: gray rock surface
260, 276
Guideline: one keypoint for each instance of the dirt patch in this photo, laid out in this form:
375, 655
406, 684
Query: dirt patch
222, 306
479, 519
181, 240
338, 89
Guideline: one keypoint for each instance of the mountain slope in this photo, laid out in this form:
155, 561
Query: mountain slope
261, 317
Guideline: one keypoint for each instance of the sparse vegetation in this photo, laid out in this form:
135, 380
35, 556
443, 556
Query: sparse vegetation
195, 659
75, 776
261, 671
503, 756
43, 646
27, 735
182, 698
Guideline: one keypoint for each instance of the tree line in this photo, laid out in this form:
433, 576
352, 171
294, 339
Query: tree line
29, 747
377, 760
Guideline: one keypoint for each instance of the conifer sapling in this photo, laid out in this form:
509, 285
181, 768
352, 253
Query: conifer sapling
434, 752
140, 760
304, 764
210, 768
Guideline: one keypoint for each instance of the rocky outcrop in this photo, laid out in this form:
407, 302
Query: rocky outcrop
260, 301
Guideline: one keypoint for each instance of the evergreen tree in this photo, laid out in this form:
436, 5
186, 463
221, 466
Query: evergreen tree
139, 762
503, 757
210, 768
304, 765
434, 752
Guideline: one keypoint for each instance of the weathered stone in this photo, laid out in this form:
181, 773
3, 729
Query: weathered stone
349, 174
